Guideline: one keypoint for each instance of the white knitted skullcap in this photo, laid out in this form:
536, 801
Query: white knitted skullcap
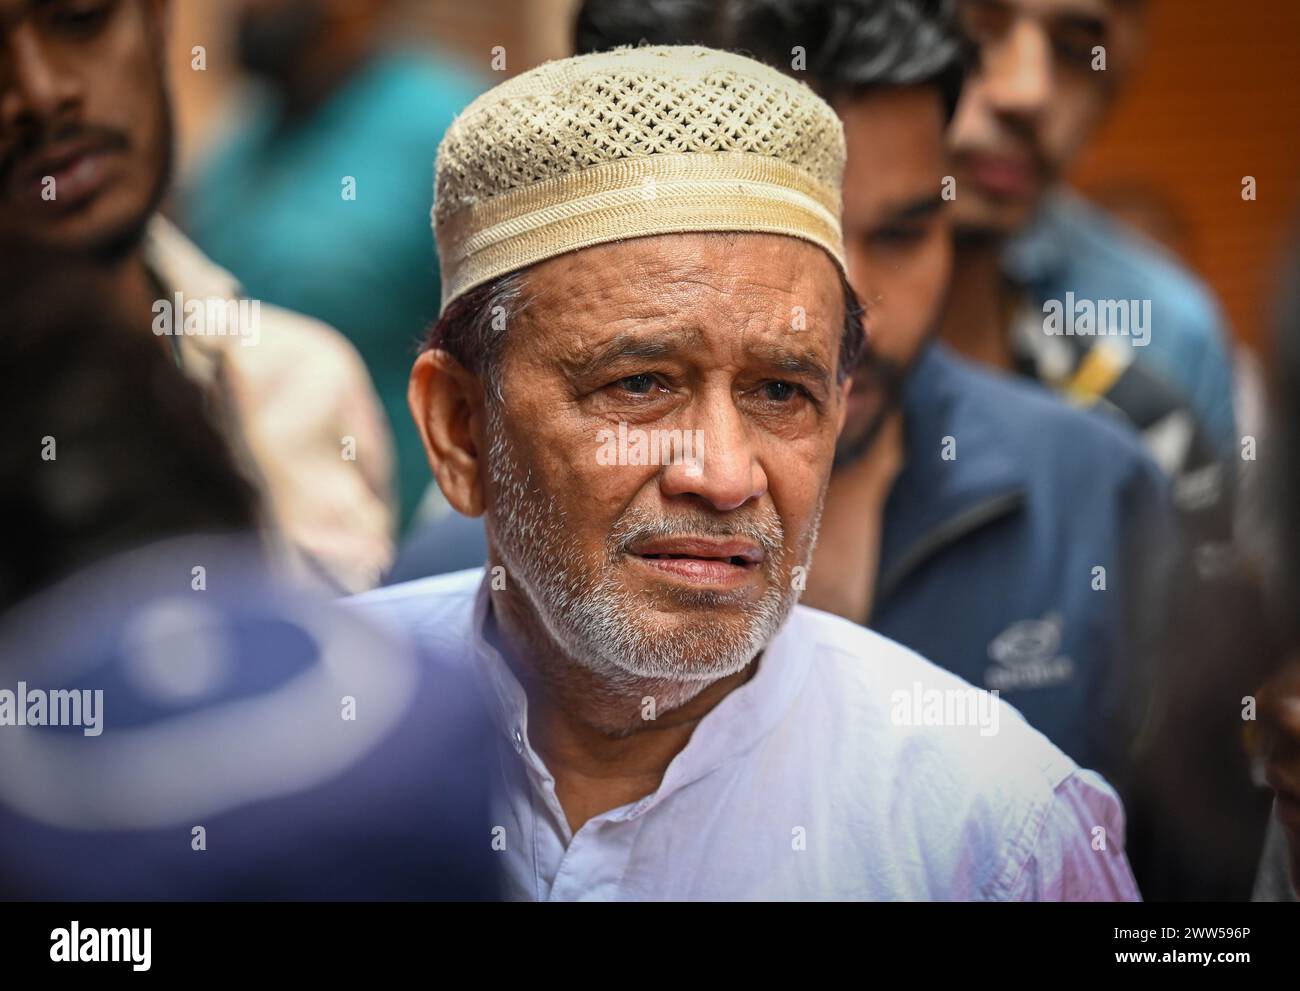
628, 143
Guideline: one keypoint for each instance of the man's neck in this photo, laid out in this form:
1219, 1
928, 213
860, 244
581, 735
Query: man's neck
607, 742
135, 290
842, 579
975, 320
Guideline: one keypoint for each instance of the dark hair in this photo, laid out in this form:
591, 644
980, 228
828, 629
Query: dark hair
606, 24
850, 46
473, 330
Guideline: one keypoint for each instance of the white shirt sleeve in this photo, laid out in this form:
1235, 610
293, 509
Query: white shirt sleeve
1079, 851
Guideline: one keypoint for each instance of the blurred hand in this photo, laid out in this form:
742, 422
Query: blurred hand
1279, 713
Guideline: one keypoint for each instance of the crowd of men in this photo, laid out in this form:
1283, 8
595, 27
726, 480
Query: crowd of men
966, 589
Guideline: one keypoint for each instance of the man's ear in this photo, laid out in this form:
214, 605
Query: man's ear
446, 401
845, 388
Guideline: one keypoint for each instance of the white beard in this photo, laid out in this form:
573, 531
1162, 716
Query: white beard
604, 628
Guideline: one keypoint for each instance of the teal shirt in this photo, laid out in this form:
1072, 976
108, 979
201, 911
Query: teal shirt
270, 206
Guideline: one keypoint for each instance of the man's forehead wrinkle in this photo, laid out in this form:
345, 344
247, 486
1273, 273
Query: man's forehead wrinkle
692, 281
586, 308
741, 285
566, 314
680, 301
769, 338
653, 267
575, 295
585, 349
746, 340
621, 267
600, 324
762, 332
791, 359
655, 300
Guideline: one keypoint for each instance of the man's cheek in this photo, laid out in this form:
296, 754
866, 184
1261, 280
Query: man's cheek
605, 476
1068, 131
797, 496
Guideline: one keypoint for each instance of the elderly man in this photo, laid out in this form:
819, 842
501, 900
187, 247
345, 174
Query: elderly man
85, 160
646, 243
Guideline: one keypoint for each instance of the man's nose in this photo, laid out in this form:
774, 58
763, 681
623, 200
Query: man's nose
35, 86
720, 465
1018, 70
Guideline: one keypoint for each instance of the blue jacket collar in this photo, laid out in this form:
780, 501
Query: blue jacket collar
1039, 254
936, 500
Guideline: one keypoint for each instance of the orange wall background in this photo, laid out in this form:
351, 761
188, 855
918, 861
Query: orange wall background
1217, 98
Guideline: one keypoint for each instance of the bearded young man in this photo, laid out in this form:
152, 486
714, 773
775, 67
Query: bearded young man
85, 160
651, 237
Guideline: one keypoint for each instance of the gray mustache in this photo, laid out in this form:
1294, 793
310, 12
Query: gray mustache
633, 527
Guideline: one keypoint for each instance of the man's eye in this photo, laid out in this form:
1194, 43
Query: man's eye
637, 384
780, 392
80, 18
1076, 47
897, 237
